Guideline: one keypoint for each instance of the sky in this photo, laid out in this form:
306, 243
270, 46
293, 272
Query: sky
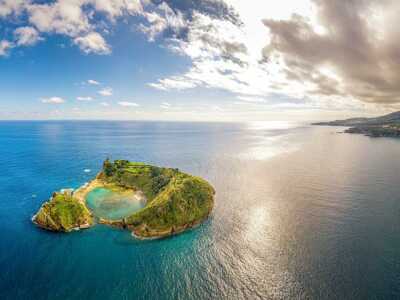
198, 60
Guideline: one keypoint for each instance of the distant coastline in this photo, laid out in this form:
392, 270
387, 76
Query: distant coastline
383, 126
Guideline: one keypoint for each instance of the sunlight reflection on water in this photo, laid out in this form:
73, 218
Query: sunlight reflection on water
271, 125
258, 220
271, 138
267, 147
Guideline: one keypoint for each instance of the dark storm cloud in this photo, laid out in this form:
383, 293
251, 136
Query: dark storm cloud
364, 56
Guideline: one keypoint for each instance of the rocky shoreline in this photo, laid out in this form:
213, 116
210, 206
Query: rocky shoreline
151, 234
376, 131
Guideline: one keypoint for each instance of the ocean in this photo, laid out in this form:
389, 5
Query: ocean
301, 212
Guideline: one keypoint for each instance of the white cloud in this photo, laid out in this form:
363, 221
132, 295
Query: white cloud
93, 42
106, 92
217, 108
8, 7
93, 82
52, 100
73, 18
63, 17
165, 105
105, 104
174, 82
26, 36
117, 8
217, 51
4, 47
161, 19
251, 99
80, 98
128, 104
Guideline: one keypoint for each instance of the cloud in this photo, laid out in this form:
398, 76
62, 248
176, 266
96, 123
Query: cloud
106, 92
93, 42
52, 100
105, 104
26, 36
116, 8
93, 82
4, 47
161, 20
354, 56
77, 19
128, 104
80, 98
175, 82
216, 9
23, 36
165, 105
251, 99
217, 51
317, 53
62, 17
217, 108
303, 54
82, 20
8, 7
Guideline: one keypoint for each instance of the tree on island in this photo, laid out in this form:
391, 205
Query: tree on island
108, 167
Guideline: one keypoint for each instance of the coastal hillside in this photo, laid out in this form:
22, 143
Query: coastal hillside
176, 200
387, 125
392, 118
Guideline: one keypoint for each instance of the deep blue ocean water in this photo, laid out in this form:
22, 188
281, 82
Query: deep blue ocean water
301, 213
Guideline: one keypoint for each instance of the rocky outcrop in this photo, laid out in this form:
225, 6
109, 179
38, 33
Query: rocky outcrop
63, 213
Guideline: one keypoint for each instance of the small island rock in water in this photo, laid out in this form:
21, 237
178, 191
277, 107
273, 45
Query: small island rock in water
176, 201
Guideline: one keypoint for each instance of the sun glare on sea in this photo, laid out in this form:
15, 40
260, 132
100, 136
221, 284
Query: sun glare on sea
257, 222
266, 142
270, 125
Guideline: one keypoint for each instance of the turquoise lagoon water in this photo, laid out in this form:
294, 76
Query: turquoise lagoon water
301, 213
111, 205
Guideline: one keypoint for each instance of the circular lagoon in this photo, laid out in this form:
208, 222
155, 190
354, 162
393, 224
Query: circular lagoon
114, 205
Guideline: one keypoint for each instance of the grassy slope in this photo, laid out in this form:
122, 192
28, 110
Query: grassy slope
62, 213
175, 199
